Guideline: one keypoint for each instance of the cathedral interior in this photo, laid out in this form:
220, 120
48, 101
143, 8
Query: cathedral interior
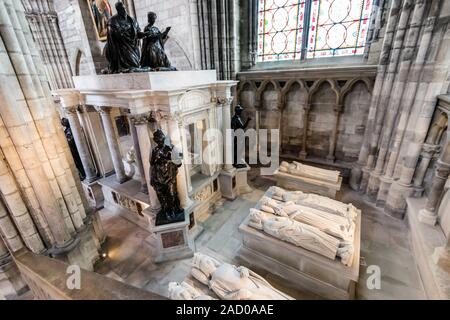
224, 149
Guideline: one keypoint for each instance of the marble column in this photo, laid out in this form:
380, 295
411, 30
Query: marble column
81, 143
175, 128
108, 126
428, 215
227, 134
303, 152
137, 149
337, 112
428, 152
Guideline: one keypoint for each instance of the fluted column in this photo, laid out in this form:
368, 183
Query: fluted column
81, 143
137, 149
337, 113
175, 127
8, 230
428, 215
108, 126
306, 109
24, 109
227, 134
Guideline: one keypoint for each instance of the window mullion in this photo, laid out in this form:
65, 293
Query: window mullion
305, 36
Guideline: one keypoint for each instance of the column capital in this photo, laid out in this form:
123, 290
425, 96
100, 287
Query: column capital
223, 100
141, 118
428, 150
338, 108
71, 110
176, 116
103, 110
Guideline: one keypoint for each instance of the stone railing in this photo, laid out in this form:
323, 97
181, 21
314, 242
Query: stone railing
47, 279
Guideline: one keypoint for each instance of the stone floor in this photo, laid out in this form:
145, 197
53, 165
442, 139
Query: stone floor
384, 243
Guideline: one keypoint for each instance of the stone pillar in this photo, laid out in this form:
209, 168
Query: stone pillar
428, 215
8, 231
227, 134
359, 174
306, 109
105, 113
81, 143
337, 112
11, 283
18, 210
175, 127
427, 154
137, 148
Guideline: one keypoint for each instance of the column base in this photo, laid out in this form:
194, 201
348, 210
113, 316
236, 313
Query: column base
11, 283
441, 257
355, 178
427, 217
173, 241
302, 155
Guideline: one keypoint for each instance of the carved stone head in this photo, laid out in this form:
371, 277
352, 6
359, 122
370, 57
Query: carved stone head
205, 263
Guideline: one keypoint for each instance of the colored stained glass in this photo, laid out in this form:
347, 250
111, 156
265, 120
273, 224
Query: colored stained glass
280, 29
334, 28
338, 27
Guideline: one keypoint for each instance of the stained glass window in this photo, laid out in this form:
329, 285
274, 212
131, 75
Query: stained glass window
338, 27
297, 29
280, 29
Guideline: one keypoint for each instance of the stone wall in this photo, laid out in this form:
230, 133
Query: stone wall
182, 47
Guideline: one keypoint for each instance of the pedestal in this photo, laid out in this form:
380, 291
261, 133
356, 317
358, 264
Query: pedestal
173, 241
234, 183
94, 194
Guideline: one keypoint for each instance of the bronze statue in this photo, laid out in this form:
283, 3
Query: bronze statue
122, 47
239, 146
73, 148
163, 178
153, 54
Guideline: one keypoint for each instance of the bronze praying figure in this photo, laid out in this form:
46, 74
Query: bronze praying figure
122, 47
238, 144
153, 54
163, 178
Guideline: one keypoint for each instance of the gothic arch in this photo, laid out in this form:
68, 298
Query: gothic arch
316, 85
349, 86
